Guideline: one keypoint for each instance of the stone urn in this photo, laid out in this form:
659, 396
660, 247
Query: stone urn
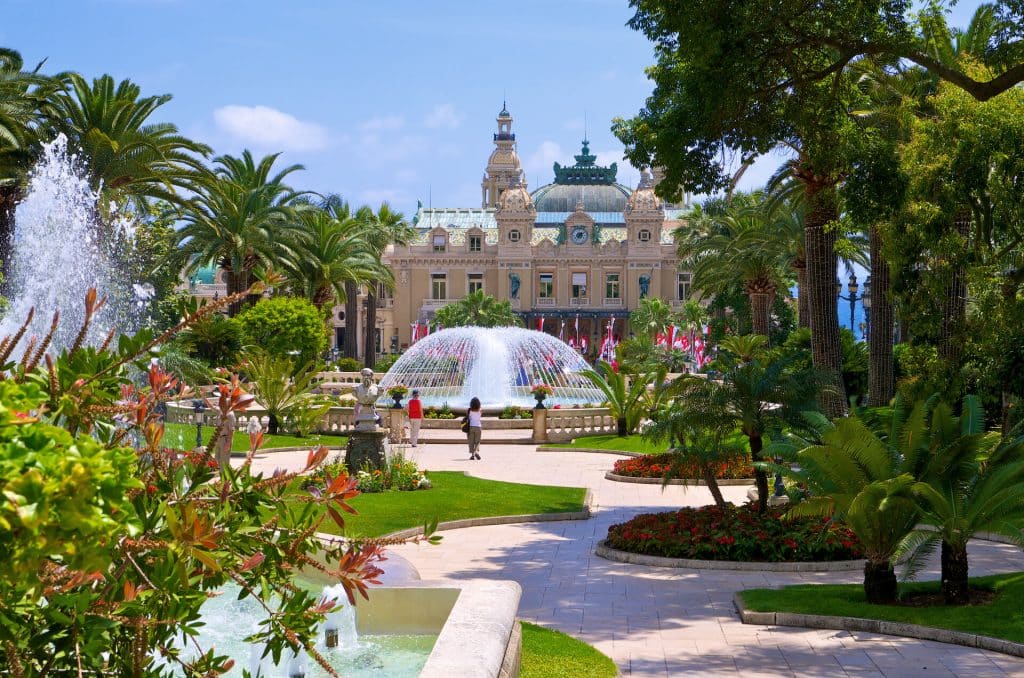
396, 403
539, 397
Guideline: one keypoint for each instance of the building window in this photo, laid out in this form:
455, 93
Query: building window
440, 242
475, 243
611, 286
546, 286
644, 235
683, 286
513, 236
438, 286
476, 283
579, 285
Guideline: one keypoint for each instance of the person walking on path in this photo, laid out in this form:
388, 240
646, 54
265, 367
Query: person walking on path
475, 418
415, 417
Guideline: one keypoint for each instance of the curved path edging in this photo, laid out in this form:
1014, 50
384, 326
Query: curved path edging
589, 450
891, 628
608, 553
730, 482
501, 520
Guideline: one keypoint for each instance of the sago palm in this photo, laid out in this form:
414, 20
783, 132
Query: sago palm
626, 397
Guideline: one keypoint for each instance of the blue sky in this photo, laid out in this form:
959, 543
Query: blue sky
379, 100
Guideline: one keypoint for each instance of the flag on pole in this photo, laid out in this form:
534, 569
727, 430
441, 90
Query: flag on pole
577, 328
426, 328
671, 336
540, 324
561, 331
415, 332
584, 344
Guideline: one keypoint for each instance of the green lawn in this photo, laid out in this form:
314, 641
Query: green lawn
552, 653
184, 435
633, 443
1003, 618
454, 496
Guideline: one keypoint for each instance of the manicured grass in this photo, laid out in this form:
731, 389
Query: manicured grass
552, 653
1002, 618
176, 435
633, 443
455, 496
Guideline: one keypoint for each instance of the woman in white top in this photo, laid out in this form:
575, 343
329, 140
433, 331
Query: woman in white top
475, 418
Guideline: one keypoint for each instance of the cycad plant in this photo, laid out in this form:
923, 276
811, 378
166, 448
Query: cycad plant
972, 482
627, 398
284, 392
853, 474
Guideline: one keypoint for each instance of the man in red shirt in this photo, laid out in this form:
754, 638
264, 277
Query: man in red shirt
415, 417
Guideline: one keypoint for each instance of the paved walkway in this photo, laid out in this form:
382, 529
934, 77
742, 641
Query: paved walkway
658, 621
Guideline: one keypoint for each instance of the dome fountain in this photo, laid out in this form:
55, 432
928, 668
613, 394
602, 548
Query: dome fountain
499, 365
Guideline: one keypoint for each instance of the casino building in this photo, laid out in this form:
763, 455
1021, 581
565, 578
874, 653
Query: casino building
582, 247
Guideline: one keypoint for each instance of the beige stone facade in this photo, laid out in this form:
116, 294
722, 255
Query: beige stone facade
580, 247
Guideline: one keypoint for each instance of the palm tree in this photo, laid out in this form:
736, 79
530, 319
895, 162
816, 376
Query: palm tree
131, 158
23, 96
241, 218
385, 227
651, 317
736, 246
478, 309
329, 253
758, 392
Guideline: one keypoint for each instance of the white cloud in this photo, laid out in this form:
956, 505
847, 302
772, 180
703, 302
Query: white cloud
268, 127
444, 115
383, 123
538, 164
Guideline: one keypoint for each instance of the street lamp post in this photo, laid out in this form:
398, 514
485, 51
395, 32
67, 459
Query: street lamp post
866, 303
852, 288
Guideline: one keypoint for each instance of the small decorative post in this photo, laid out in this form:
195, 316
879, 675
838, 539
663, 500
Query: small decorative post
540, 425
198, 407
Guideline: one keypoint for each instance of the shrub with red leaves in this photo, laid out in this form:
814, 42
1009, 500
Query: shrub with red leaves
735, 533
658, 465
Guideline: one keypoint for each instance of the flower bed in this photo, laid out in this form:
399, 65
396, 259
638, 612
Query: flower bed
735, 533
399, 474
657, 465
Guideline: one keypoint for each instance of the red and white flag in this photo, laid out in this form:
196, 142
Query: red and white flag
415, 332
584, 344
540, 324
577, 327
561, 331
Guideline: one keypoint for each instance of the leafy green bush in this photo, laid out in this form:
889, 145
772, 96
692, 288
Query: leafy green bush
384, 363
398, 474
348, 365
283, 325
215, 339
515, 412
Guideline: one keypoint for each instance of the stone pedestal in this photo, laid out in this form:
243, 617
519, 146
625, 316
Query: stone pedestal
365, 448
540, 426
396, 425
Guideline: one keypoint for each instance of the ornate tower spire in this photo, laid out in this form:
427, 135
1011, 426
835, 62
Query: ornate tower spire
503, 168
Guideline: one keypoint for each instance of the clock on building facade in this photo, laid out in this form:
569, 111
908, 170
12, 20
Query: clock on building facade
579, 235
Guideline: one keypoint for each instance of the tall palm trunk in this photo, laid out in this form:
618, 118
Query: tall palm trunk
879, 582
820, 242
351, 348
881, 371
236, 282
761, 312
760, 477
954, 307
803, 306
371, 330
955, 589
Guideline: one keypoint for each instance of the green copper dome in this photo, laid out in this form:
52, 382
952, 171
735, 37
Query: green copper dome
584, 182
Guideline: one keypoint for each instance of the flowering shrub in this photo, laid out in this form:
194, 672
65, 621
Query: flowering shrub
657, 465
398, 391
735, 533
541, 390
513, 412
398, 474
434, 413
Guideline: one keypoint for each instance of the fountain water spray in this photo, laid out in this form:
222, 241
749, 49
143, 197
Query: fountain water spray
498, 365
59, 252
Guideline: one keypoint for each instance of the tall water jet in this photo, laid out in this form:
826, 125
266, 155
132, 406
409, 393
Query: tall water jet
58, 253
498, 365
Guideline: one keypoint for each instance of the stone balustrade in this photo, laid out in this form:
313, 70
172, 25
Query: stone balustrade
337, 421
564, 424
